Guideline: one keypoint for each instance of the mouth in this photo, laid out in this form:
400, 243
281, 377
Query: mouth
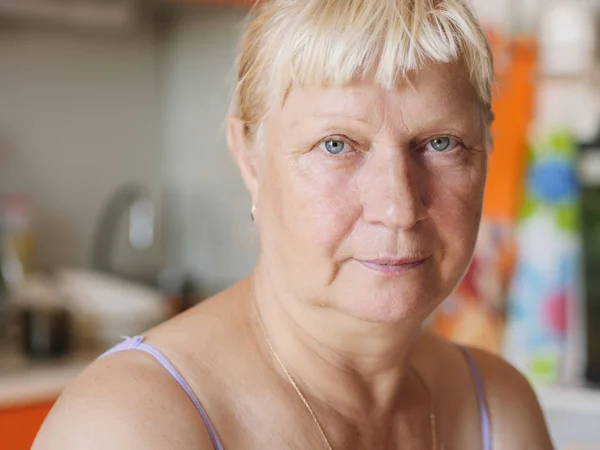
393, 266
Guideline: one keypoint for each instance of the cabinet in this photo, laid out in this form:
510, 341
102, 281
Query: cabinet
27, 392
20, 424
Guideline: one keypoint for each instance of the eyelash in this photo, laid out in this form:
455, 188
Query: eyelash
457, 146
422, 147
348, 142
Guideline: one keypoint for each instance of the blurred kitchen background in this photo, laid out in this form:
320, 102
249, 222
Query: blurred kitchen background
120, 205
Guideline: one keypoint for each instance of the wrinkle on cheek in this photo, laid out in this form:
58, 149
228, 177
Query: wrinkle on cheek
347, 217
321, 199
457, 208
328, 213
467, 186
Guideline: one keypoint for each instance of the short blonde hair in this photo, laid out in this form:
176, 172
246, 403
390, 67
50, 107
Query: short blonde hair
291, 43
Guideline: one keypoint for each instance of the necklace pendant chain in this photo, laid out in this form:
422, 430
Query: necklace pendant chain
296, 388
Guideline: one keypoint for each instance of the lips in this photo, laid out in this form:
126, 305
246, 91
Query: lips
394, 261
393, 266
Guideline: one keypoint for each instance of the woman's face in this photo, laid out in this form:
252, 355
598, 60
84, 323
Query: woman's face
369, 200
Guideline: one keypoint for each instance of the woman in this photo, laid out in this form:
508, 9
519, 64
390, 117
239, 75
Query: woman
361, 129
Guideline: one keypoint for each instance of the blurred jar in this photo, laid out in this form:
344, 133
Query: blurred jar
42, 318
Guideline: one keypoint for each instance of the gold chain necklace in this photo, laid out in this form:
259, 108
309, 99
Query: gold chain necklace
432, 422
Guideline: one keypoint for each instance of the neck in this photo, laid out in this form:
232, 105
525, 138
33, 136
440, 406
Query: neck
358, 369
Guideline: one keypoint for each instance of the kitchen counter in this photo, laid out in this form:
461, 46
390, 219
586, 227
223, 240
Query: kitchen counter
570, 399
23, 381
572, 414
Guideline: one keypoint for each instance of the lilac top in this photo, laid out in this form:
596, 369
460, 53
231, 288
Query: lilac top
137, 343
484, 416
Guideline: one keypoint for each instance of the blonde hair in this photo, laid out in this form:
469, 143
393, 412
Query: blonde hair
291, 43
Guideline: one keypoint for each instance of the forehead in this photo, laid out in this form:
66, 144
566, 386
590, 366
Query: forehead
437, 92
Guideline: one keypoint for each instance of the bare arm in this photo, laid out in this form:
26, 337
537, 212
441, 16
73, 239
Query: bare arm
123, 402
517, 419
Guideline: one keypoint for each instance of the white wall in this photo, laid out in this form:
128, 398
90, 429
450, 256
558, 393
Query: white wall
79, 116
210, 232
83, 115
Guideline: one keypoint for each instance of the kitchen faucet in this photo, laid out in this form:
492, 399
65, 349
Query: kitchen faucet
131, 199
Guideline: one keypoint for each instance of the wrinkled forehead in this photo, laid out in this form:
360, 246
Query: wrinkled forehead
438, 92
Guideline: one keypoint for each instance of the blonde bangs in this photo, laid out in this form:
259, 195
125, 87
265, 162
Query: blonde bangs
293, 43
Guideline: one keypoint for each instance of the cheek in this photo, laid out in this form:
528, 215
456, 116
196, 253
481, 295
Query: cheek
456, 205
317, 205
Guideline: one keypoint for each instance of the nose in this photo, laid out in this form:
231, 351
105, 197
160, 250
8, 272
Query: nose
392, 189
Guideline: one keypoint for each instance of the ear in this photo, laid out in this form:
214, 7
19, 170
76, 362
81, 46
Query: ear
244, 155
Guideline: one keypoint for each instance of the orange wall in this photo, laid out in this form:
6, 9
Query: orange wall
513, 105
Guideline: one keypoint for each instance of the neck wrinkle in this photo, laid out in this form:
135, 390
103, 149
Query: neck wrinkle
344, 366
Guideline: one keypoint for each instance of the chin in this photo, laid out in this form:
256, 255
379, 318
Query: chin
383, 298
391, 305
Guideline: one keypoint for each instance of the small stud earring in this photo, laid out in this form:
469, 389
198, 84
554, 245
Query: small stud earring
252, 211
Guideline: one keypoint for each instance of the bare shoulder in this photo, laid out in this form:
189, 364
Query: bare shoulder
516, 416
128, 400
124, 401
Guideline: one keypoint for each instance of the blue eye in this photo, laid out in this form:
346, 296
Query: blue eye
334, 147
442, 144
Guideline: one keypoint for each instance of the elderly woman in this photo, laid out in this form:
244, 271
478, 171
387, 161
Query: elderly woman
361, 129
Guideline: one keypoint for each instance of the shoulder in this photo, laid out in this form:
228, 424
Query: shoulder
516, 417
517, 420
123, 401
128, 400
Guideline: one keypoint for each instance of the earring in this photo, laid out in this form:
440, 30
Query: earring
252, 211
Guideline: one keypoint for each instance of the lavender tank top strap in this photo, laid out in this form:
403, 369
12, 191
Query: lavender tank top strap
137, 343
484, 416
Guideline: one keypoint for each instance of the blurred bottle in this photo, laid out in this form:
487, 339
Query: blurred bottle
590, 192
16, 223
546, 278
544, 336
4, 306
